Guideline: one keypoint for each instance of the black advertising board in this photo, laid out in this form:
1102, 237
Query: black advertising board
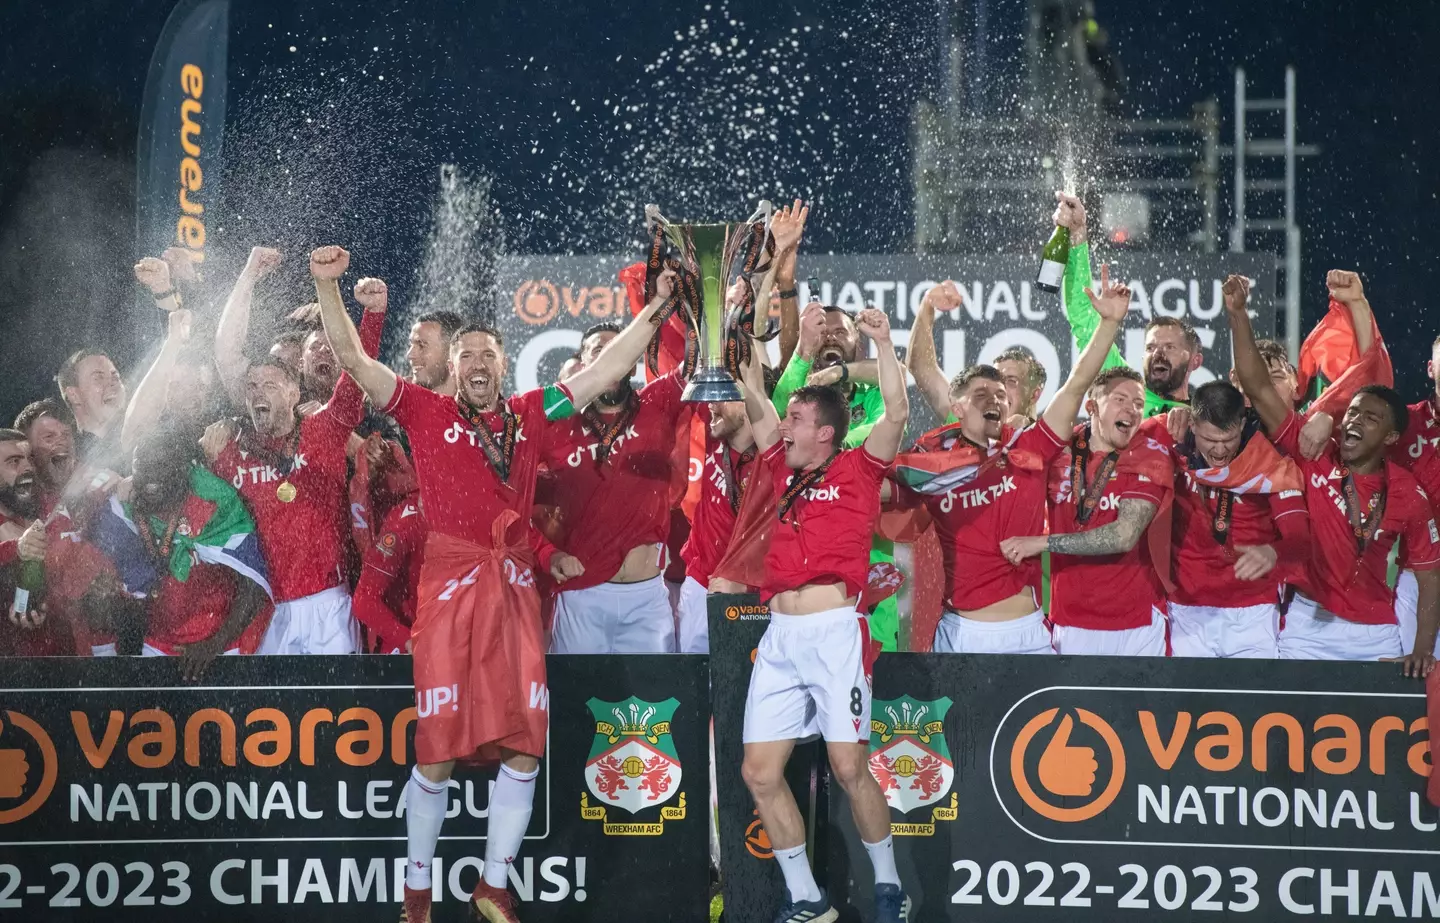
277, 781
1078, 789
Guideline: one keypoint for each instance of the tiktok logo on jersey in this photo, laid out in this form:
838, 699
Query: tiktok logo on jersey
1417, 448
980, 496
458, 431
577, 456
263, 474
717, 477
429, 701
823, 494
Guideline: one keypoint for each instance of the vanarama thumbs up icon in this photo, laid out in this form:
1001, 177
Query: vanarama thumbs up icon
20, 778
1066, 769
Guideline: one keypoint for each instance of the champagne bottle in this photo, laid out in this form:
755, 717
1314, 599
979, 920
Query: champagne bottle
1053, 259
28, 587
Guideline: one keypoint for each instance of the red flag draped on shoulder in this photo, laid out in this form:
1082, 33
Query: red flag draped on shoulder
1332, 367
1258, 469
744, 560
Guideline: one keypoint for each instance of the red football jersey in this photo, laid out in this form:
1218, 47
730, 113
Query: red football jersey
1419, 448
462, 495
825, 535
53, 638
1204, 568
1106, 592
606, 508
715, 512
390, 578
1338, 576
1003, 501
304, 541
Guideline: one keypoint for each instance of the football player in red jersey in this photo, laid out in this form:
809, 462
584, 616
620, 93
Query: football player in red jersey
479, 697
812, 668
985, 482
1360, 504
1240, 525
1104, 492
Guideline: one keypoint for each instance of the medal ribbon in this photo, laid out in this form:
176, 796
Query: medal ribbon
1224, 512
161, 549
609, 431
1364, 527
799, 483
1087, 499
733, 487
497, 452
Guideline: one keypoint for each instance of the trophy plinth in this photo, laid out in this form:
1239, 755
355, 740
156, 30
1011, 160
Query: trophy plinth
711, 384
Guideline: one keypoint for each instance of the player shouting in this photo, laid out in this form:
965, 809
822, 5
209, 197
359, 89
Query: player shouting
981, 482
812, 668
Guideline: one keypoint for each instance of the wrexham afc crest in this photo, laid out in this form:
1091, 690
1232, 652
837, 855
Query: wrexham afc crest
911, 760
633, 766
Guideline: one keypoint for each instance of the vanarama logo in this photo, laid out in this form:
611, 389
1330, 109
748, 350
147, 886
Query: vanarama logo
911, 760
28, 767
633, 766
747, 613
539, 301
1188, 767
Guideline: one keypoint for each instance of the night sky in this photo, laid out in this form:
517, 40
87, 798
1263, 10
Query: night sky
580, 114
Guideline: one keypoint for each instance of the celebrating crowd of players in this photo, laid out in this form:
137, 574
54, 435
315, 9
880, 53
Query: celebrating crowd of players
306, 499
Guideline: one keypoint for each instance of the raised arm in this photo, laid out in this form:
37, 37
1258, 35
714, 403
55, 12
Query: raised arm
764, 421
233, 329
787, 226
617, 360
923, 358
147, 404
884, 439
1110, 307
1250, 366
796, 371
1346, 288
1083, 323
327, 265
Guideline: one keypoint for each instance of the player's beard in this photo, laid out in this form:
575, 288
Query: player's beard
21, 498
617, 395
1167, 379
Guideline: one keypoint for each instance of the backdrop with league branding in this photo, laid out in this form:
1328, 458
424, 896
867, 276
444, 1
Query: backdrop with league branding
1107, 789
278, 782
546, 301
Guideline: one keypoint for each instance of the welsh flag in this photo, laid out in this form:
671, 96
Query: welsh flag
216, 529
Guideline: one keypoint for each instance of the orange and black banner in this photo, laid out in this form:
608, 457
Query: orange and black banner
1089, 788
182, 128
278, 781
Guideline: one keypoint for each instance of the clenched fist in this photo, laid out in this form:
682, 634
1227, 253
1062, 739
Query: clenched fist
812, 329
154, 274
943, 297
33, 542
1345, 287
262, 261
874, 323
329, 262
1236, 292
565, 566
373, 295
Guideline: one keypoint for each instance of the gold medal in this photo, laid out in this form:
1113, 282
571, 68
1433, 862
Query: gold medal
286, 492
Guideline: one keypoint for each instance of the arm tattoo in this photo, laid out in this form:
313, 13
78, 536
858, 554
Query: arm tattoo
1116, 538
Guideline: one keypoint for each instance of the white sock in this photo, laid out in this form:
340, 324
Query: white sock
799, 880
425, 805
510, 804
882, 857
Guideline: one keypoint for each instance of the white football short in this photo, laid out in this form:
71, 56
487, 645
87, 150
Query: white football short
1210, 631
1407, 598
614, 618
1145, 641
1314, 633
147, 650
1026, 635
320, 623
693, 618
811, 678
